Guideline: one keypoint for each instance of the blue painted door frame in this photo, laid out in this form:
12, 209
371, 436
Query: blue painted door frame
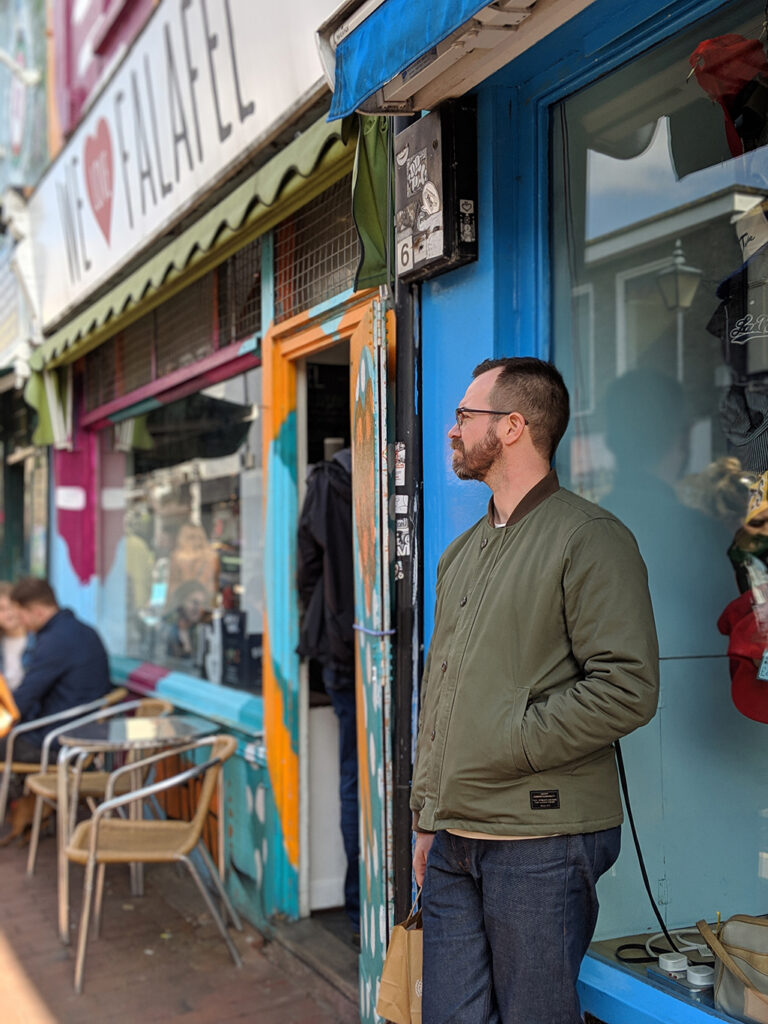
501, 305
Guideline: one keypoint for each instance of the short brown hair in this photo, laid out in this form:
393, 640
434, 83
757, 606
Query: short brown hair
536, 390
32, 590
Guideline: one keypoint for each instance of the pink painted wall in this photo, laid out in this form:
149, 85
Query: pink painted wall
85, 48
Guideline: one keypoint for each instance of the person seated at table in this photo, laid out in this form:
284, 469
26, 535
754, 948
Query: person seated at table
67, 666
13, 639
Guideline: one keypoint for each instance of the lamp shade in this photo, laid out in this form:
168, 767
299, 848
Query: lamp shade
678, 282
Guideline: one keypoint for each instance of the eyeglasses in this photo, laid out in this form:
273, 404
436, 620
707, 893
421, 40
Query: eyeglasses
463, 410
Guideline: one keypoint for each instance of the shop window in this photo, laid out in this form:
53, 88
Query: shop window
316, 252
181, 535
660, 322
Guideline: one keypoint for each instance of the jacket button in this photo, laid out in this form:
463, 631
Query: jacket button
444, 667
483, 542
462, 602
433, 735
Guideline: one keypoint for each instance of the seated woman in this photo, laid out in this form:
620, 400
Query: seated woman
13, 639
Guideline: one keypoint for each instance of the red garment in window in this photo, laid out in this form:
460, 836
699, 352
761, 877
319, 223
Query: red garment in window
747, 641
726, 68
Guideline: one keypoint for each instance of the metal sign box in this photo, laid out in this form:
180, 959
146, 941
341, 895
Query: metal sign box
436, 191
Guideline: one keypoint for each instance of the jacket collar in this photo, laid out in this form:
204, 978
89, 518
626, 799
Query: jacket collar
547, 486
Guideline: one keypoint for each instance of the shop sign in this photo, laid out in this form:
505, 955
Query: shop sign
205, 84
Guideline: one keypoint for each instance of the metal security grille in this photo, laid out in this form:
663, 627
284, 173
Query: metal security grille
135, 355
243, 294
219, 309
187, 326
316, 252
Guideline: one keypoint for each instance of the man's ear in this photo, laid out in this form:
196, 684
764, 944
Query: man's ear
514, 425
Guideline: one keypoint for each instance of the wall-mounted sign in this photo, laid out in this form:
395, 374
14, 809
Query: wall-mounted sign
204, 85
436, 191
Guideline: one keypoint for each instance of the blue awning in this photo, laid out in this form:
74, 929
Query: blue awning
388, 42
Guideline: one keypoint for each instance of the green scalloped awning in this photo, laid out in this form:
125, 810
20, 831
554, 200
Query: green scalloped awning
268, 196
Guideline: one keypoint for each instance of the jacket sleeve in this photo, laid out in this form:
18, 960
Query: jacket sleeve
613, 638
415, 802
40, 677
310, 552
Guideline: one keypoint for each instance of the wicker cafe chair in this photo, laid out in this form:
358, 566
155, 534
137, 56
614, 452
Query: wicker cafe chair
106, 840
12, 767
83, 785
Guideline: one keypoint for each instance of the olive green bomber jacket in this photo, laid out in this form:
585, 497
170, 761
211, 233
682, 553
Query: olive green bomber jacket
544, 652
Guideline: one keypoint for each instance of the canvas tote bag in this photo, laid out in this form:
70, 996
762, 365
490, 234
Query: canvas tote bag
741, 966
400, 987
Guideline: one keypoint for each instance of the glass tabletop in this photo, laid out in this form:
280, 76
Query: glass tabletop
138, 733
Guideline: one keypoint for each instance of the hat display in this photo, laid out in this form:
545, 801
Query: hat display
733, 71
746, 647
758, 500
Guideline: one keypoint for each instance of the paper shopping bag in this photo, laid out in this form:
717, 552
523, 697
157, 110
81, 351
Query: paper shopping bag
400, 987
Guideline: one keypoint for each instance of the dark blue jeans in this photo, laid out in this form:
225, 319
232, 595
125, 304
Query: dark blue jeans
507, 924
341, 689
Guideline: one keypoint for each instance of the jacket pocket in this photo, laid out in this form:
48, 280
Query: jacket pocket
519, 759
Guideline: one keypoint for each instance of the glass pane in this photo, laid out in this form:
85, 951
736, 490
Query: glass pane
182, 542
660, 320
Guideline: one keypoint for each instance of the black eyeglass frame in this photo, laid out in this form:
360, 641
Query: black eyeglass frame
462, 409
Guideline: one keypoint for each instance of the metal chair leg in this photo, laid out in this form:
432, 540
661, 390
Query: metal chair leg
216, 878
82, 938
100, 871
63, 833
5, 784
213, 911
34, 836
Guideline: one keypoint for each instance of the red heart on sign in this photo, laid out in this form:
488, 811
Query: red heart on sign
97, 158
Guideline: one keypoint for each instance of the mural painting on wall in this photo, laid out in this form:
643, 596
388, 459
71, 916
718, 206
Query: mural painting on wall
279, 658
371, 654
23, 124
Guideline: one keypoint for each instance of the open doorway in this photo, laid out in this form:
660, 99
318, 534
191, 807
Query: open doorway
324, 438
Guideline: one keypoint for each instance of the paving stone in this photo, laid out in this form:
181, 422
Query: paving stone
189, 976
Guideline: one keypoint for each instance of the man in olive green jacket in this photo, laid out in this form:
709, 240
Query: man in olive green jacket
543, 654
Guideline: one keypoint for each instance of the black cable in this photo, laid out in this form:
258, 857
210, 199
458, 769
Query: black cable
643, 872
639, 947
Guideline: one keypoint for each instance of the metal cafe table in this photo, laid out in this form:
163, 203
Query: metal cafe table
134, 736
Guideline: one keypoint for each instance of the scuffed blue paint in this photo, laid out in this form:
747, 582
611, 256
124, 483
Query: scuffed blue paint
332, 323
233, 709
82, 598
621, 997
258, 857
249, 345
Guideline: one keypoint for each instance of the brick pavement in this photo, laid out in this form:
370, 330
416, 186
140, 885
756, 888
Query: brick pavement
151, 962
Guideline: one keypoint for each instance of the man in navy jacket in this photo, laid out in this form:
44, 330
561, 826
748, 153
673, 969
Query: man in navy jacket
67, 665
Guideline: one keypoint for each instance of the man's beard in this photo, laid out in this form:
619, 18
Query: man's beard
475, 463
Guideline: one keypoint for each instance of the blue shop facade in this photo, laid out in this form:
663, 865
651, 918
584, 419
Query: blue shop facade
621, 214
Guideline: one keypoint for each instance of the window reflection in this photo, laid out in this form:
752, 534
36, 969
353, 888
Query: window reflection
186, 588
660, 321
